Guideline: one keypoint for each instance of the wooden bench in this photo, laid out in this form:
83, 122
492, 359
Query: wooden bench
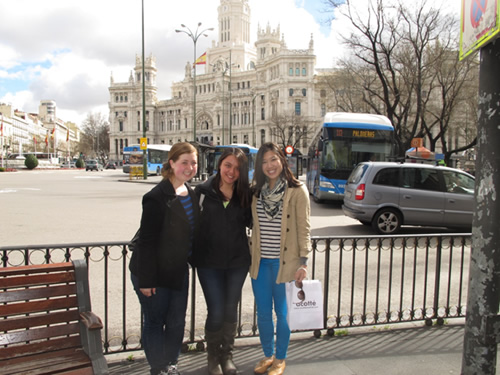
46, 326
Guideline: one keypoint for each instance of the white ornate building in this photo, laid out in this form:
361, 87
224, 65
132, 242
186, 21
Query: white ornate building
42, 131
243, 86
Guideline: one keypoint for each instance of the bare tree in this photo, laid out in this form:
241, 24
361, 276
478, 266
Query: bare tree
94, 140
404, 65
290, 129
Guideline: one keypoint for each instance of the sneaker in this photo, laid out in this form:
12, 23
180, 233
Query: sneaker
172, 370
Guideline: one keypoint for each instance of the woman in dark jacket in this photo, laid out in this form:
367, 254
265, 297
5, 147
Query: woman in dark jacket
159, 264
222, 255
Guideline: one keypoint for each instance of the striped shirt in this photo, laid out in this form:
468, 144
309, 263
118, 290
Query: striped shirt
187, 203
270, 233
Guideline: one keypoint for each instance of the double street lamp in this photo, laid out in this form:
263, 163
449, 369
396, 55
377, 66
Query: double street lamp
194, 36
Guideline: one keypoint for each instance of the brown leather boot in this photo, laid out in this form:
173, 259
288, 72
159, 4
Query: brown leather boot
214, 341
228, 335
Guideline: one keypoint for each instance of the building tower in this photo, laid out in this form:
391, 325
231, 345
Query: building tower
125, 106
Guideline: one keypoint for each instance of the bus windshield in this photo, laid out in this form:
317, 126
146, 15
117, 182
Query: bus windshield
345, 152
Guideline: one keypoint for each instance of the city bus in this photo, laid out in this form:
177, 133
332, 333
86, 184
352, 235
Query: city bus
250, 152
156, 156
344, 140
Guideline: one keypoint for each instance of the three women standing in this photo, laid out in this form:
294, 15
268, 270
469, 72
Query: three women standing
280, 246
222, 255
159, 266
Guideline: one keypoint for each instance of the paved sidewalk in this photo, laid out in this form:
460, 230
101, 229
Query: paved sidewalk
433, 350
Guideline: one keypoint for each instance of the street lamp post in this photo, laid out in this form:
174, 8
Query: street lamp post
194, 36
144, 155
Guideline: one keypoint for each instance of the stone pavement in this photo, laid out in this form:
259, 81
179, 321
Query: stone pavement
384, 350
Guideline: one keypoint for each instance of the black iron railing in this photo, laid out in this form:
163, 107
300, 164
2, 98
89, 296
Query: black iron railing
366, 281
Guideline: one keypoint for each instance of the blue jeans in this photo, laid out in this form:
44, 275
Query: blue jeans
266, 291
164, 320
222, 290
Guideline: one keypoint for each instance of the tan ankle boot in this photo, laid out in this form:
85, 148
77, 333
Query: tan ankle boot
278, 367
263, 365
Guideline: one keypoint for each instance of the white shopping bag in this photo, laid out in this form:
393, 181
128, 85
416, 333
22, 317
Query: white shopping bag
305, 305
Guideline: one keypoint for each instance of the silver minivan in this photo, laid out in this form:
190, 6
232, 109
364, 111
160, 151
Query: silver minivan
387, 195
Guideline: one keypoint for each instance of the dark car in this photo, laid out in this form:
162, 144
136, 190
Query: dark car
110, 165
387, 195
93, 165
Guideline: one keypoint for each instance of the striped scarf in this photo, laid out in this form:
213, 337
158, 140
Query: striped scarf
272, 199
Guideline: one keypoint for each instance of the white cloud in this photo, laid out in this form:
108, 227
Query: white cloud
67, 49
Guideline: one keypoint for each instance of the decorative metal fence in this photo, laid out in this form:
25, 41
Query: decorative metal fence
366, 281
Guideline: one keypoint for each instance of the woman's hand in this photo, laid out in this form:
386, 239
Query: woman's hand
301, 274
148, 292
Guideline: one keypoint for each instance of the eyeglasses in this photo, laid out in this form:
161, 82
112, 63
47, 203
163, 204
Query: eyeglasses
300, 294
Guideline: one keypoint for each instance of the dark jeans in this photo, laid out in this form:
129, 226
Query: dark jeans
164, 321
222, 290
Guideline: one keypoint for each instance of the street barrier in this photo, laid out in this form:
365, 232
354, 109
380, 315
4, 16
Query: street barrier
367, 281
136, 173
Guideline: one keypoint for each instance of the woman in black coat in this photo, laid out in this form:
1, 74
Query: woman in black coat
222, 255
159, 265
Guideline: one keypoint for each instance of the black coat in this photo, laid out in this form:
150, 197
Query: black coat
161, 258
222, 238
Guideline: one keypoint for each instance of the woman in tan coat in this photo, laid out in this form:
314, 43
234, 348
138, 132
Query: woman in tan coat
280, 247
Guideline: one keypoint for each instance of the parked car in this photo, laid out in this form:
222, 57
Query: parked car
93, 165
70, 164
387, 195
110, 165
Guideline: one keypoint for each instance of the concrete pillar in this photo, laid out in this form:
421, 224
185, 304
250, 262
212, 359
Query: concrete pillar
482, 325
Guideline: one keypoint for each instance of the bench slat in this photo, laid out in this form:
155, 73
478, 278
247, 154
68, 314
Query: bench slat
39, 333
37, 293
39, 279
38, 306
27, 350
38, 320
47, 363
38, 268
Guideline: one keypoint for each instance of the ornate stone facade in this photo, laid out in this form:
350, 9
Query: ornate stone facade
242, 88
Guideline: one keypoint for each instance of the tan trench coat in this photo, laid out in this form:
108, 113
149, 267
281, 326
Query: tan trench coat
295, 234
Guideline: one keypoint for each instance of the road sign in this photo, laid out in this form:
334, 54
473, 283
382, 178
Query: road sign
417, 142
480, 24
144, 143
289, 150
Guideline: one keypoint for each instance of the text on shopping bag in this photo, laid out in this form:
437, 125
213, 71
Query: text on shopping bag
304, 305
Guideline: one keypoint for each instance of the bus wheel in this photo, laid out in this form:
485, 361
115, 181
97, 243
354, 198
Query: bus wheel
316, 194
158, 171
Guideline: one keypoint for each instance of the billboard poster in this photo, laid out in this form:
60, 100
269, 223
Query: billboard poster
480, 24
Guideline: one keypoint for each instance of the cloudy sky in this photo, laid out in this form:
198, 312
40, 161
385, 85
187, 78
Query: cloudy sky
66, 50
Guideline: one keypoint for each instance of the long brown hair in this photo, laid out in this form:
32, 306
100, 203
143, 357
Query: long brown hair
174, 154
259, 178
242, 186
